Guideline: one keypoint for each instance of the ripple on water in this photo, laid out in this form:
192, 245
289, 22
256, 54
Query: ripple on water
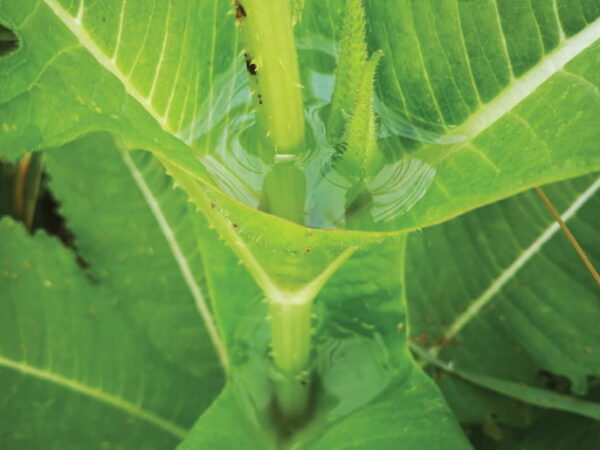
230, 142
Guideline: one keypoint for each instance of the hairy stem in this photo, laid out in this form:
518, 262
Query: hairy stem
272, 64
272, 61
291, 341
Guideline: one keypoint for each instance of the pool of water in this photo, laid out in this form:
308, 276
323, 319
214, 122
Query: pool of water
231, 143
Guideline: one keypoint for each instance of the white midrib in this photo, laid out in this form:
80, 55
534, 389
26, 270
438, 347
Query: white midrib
520, 88
181, 260
96, 393
508, 274
86, 41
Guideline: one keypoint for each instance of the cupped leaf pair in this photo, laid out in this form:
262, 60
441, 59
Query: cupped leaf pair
493, 97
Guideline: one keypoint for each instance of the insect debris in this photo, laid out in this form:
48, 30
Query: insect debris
240, 12
250, 66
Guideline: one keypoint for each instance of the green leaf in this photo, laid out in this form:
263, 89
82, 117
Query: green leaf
556, 431
130, 224
6, 184
118, 350
409, 416
504, 94
519, 391
524, 118
76, 369
496, 306
490, 97
56, 77
107, 204
369, 382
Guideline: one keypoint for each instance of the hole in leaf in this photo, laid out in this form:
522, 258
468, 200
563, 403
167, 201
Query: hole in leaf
556, 383
47, 215
8, 41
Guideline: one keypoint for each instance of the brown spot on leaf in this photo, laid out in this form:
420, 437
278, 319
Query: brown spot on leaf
250, 66
444, 341
240, 12
422, 339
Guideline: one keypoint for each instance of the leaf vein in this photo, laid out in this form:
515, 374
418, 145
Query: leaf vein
477, 305
86, 41
96, 393
521, 88
180, 259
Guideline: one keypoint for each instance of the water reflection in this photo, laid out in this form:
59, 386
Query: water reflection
354, 363
394, 124
231, 144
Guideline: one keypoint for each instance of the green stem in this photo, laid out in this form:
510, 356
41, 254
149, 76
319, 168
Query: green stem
273, 63
284, 192
291, 340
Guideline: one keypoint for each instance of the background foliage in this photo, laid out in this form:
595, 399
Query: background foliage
102, 339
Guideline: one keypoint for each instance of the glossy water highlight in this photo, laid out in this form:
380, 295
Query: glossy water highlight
354, 363
231, 142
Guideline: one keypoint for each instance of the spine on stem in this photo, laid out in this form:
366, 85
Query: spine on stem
291, 342
271, 60
290, 317
272, 64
